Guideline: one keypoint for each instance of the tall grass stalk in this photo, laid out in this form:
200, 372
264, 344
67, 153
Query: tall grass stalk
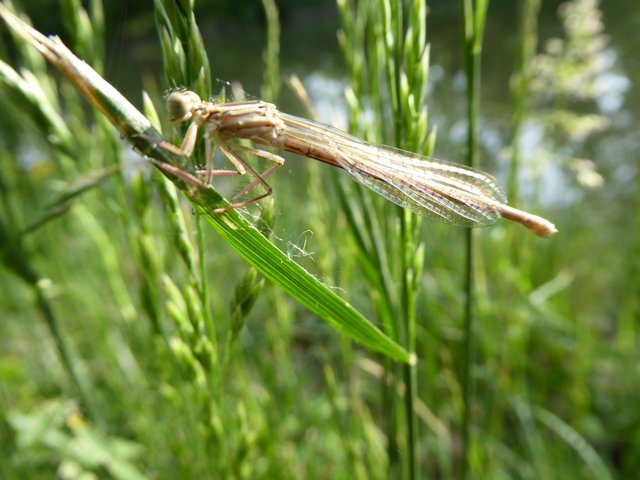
528, 42
271, 54
384, 45
474, 16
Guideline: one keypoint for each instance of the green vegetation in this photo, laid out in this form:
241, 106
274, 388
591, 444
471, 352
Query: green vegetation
140, 342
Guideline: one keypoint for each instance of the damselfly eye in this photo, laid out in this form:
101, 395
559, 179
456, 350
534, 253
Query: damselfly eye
180, 105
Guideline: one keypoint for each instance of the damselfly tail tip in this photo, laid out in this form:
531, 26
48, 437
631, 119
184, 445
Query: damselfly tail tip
538, 225
543, 228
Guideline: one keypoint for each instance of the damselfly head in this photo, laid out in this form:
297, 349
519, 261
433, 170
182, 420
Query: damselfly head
180, 105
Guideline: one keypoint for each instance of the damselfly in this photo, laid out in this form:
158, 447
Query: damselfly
444, 191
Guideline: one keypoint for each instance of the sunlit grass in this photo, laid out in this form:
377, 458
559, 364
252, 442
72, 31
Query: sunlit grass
166, 354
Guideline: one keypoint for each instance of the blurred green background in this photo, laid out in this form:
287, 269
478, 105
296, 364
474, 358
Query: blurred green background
104, 373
